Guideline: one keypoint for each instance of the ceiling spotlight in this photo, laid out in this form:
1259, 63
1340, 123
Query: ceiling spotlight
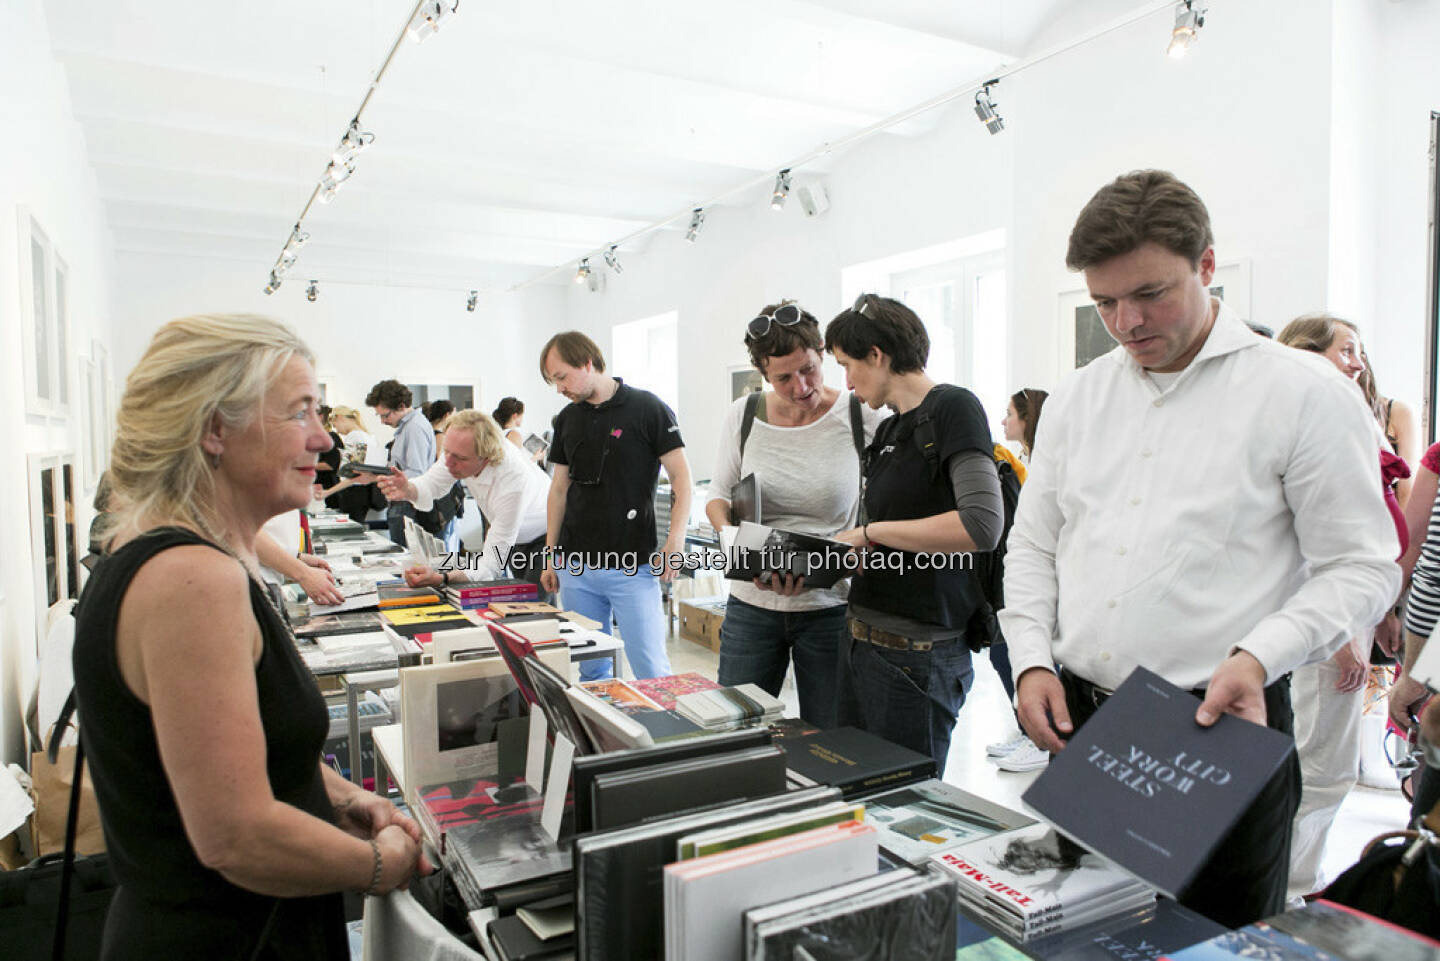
297, 239
336, 174
312, 292
612, 262
354, 141
1188, 22
274, 283
697, 220
429, 15
985, 109
472, 300
582, 273
782, 190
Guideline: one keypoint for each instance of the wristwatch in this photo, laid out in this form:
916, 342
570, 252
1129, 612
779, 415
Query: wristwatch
445, 578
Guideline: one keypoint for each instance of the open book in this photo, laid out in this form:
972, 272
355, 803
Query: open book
763, 552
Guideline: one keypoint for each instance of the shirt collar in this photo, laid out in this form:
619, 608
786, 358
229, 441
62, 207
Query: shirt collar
616, 399
1227, 335
404, 420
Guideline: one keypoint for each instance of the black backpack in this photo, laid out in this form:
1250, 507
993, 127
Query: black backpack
983, 628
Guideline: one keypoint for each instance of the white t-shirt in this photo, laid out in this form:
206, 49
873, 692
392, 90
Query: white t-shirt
357, 441
809, 481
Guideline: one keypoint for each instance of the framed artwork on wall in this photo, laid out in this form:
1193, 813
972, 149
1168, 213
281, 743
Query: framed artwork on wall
744, 379
1083, 336
53, 536
44, 304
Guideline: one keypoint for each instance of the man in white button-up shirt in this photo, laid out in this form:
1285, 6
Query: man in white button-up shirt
1201, 502
508, 486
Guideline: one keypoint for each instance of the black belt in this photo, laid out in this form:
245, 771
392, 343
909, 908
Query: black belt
1094, 693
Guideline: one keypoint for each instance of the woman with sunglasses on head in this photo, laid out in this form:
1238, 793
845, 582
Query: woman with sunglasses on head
932, 495
799, 439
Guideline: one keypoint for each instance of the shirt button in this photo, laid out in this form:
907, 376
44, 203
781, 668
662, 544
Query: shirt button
1147, 452
1120, 551
1110, 603
1159, 402
1104, 655
1134, 502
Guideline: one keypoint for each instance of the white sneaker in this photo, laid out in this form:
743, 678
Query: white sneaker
1026, 757
1002, 748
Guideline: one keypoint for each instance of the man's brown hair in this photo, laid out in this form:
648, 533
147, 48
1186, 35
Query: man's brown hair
1143, 206
574, 349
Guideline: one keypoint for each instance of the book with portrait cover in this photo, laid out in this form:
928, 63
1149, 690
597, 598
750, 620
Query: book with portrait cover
761, 552
1161, 791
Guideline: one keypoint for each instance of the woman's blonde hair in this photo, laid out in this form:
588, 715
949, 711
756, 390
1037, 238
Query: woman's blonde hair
490, 444
342, 411
195, 370
1315, 333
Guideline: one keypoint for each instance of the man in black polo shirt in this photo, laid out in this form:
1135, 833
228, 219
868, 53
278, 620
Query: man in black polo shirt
608, 448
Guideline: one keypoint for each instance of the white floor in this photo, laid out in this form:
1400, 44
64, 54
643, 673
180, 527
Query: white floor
987, 717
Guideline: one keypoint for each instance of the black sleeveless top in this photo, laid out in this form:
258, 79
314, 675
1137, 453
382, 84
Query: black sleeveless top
169, 904
902, 482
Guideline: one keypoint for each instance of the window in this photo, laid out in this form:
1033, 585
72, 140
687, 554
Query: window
644, 353
958, 290
461, 395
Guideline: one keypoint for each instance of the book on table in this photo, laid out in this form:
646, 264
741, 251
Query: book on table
1320, 931
730, 707
665, 691
853, 760
1161, 791
1032, 880
918, 820
898, 914
705, 898
619, 879
356, 622
626, 797
764, 552
1141, 934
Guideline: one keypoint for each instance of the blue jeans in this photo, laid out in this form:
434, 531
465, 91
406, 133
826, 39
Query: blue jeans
909, 698
1000, 660
633, 601
757, 645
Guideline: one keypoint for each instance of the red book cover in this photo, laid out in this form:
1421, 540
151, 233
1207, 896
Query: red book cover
664, 690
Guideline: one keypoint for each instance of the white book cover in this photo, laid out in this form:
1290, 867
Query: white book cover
335, 644
706, 898
1033, 871
1065, 920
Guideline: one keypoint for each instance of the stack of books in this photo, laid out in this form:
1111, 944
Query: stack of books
706, 897
1032, 881
727, 708
921, 820
479, 595
853, 760
394, 595
898, 914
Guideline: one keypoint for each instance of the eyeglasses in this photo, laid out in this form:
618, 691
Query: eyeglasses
786, 315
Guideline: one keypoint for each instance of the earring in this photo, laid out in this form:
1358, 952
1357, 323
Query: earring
215, 460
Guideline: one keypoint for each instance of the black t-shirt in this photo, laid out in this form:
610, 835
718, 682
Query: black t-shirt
612, 451
902, 483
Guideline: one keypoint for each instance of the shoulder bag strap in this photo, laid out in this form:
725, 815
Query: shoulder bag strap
857, 435
67, 868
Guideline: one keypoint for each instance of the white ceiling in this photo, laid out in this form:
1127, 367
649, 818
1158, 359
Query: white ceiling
520, 137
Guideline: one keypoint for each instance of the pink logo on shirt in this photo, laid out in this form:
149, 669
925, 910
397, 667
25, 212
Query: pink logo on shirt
616, 432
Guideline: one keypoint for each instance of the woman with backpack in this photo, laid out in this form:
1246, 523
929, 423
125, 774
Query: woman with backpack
802, 441
932, 499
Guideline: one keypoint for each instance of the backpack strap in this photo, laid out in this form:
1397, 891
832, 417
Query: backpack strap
857, 436
752, 407
924, 436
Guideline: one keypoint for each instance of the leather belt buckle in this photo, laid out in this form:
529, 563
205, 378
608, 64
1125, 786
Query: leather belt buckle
871, 635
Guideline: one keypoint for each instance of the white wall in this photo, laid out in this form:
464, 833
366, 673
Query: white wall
1409, 73
43, 167
361, 334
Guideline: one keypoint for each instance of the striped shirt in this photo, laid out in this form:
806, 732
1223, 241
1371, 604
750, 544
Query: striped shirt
1422, 609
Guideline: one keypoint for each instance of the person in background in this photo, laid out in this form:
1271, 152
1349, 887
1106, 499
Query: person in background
509, 488
510, 415
1329, 696
327, 473
437, 412
802, 449
611, 441
930, 488
1202, 502
236, 844
360, 445
1421, 570
1022, 416
412, 450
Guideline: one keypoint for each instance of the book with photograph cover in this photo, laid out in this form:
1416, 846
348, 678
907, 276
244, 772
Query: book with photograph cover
398, 595
909, 917
620, 695
491, 833
664, 691
918, 820
356, 622
549, 687
1161, 790
1252, 941
760, 552
715, 840
1032, 876
1354, 935
608, 729
853, 760
534, 443
745, 502
619, 874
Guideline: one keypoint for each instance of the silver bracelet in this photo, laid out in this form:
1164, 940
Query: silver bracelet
374, 887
